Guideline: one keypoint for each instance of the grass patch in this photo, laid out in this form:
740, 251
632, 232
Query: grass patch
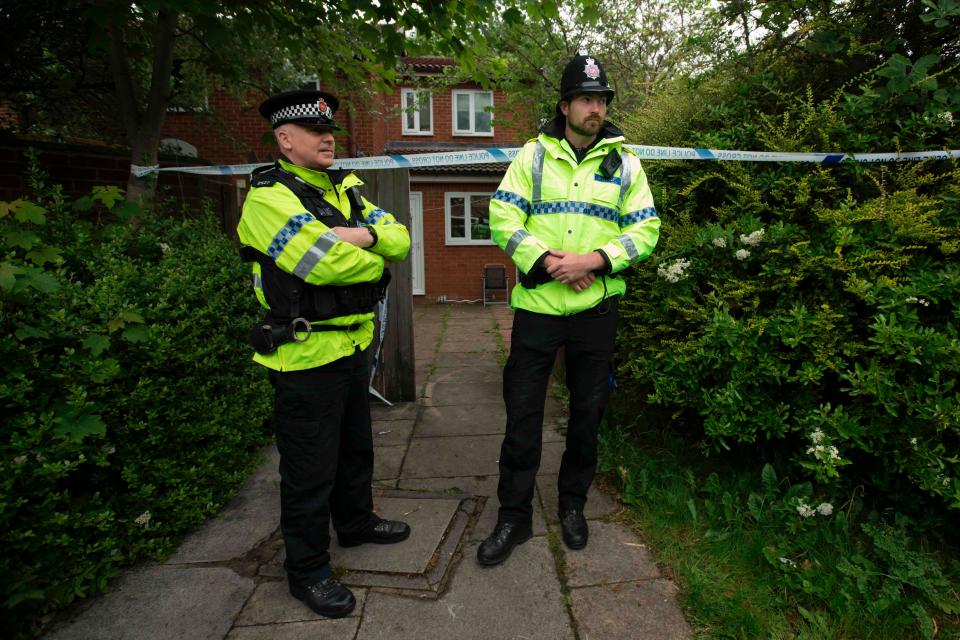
750, 566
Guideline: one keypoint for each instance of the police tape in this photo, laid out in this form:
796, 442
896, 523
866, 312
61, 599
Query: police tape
504, 155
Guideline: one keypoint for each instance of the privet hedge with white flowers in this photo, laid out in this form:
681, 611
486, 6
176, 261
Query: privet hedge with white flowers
805, 318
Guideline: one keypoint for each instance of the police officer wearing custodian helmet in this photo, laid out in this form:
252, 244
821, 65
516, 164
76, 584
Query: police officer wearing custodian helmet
319, 252
573, 210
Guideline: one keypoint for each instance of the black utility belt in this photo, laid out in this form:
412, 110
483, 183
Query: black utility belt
268, 334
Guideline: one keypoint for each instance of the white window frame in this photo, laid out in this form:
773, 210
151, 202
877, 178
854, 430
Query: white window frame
416, 114
468, 240
472, 131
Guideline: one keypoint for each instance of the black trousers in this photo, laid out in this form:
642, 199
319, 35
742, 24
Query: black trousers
589, 339
322, 422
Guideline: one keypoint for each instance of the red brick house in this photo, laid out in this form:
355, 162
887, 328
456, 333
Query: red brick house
449, 205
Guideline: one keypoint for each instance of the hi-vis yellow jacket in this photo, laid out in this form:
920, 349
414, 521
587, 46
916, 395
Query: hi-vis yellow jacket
275, 222
548, 201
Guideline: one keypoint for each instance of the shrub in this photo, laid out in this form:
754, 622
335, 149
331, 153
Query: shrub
806, 316
130, 408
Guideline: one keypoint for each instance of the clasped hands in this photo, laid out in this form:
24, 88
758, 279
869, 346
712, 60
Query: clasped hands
575, 270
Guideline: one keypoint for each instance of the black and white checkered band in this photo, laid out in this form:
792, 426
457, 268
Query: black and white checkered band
297, 111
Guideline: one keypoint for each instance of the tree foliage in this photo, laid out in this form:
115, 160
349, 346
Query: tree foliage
161, 53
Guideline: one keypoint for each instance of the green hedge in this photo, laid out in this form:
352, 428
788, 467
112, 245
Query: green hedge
806, 317
131, 410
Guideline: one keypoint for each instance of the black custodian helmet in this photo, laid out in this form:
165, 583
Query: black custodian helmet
314, 108
583, 74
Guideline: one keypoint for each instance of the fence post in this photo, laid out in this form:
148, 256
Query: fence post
389, 189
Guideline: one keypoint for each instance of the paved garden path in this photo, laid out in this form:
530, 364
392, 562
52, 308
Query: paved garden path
436, 467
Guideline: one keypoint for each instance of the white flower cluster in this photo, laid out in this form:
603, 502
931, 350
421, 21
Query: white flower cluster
720, 242
742, 254
824, 453
788, 562
821, 451
921, 301
805, 510
753, 239
673, 272
164, 247
947, 117
143, 519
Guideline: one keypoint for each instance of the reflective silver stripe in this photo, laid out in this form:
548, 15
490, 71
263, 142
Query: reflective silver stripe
538, 153
515, 240
257, 283
315, 254
624, 178
627, 243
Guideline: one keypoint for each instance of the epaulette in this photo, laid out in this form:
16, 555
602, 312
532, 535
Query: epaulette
264, 176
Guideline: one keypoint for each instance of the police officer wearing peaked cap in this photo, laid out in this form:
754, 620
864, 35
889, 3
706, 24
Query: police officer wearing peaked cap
318, 251
573, 211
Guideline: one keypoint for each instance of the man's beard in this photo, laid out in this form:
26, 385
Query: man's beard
580, 131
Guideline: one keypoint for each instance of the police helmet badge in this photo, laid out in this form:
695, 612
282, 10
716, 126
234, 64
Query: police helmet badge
591, 69
324, 108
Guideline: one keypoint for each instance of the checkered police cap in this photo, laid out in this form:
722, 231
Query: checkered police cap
301, 107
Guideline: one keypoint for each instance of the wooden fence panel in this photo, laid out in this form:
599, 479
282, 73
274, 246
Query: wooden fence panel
395, 380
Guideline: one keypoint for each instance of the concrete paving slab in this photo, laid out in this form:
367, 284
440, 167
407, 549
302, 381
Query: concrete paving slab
439, 394
157, 602
599, 502
468, 485
271, 603
551, 432
474, 344
457, 359
387, 462
481, 372
613, 555
428, 519
518, 599
267, 475
641, 611
399, 411
392, 432
550, 457
476, 486
249, 519
343, 629
450, 457
461, 420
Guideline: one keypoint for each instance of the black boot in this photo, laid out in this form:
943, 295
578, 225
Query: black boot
381, 532
328, 597
574, 527
498, 546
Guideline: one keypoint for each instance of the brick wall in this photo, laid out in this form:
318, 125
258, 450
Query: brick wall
230, 133
453, 270
79, 168
376, 126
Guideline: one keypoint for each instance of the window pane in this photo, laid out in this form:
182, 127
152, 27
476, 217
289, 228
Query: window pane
457, 226
463, 112
484, 115
424, 111
480, 217
408, 107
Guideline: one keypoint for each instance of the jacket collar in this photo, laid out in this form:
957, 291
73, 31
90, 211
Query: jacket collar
324, 179
557, 127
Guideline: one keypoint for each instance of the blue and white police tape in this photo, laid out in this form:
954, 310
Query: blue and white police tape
489, 156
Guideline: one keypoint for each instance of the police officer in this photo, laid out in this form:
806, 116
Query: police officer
319, 253
573, 211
